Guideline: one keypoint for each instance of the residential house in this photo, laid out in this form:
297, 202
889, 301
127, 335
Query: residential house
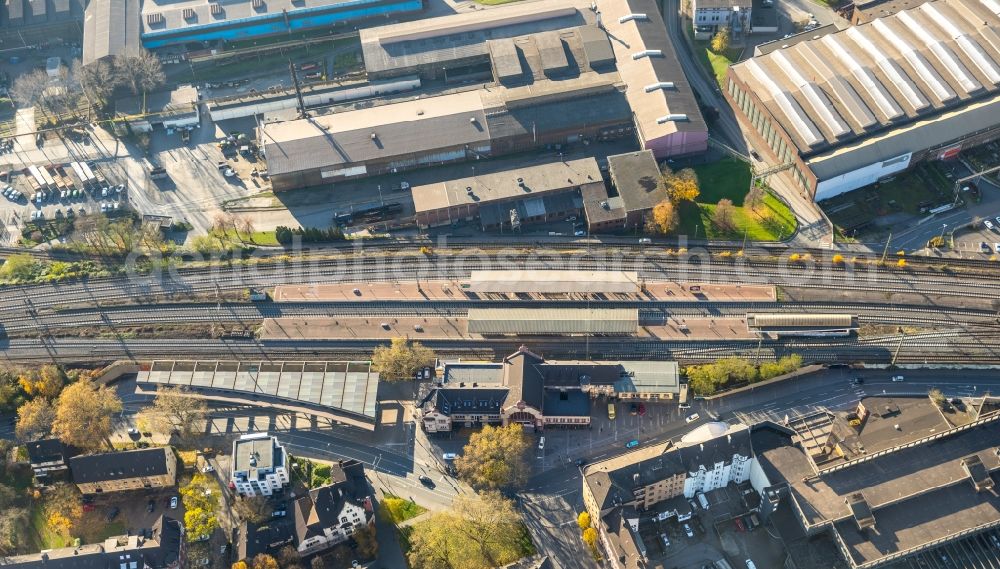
331, 514
711, 16
163, 549
49, 459
259, 465
126, 470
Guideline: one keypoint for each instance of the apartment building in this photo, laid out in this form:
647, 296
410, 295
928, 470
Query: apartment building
127, 470
259, 465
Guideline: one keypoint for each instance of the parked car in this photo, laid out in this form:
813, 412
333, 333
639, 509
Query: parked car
692, 418
173, 503
666, 540
279, 513
208, 468
449, 456
426, 481
632, 443
988, 224
633, 409
897, 378
150, 505
858, 381
113, 513
580, 233
684, 406
739, 525
642, 409
541, 443
688, 531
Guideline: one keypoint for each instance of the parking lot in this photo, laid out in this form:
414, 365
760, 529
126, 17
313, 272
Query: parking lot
981, 551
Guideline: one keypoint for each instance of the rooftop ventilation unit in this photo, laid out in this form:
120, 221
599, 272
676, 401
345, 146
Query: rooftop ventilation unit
647, 53
672, 118
662, 85
258, 5
189, 13
630, 17
154, 19
216, 9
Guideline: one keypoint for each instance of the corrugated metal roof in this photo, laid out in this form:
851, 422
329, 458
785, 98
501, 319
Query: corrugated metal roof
787, 321
527, 321
829, 91
110, 27
621, 282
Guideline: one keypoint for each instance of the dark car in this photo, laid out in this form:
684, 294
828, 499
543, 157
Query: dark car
113, 513
642, 409
858, 381
580, 462
426, 481
150, 505
633, 409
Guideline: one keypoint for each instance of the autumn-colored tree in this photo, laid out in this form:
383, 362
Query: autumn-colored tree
401, 359
494, 458
35, 419
201, 501
583, 520
46, 381
479, 532
367, 542
723, 215
264, 561
63, 511
83, 415
288, 557
239, 565
590, 538
663, 219
720, 41
681, 186
174, 409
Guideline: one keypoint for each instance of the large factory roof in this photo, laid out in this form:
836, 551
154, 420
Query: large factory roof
504, 185
658, 91
164, 17
391, 130
110, 27
459, 36
916, 64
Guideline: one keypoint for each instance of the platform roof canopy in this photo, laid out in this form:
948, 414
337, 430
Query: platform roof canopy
800, 321
555, 282
529, 321
346, 386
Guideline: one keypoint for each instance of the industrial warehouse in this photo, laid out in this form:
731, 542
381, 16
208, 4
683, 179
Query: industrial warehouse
113, 27
545, 89
847, 109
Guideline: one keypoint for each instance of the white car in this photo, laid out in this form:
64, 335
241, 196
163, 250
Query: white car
692, 418
580, 233
897, 378
988, 224
173, 503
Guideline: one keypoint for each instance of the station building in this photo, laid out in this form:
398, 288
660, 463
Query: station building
849, 108
527, 389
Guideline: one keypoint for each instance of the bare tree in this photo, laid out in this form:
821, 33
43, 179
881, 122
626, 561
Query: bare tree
139, 70
29, 89
96, 80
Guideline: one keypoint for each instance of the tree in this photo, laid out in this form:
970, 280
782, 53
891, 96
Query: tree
682, 186
46, 381
12, 533
937, 397
19, 267
590, 538
723, 214
35, 419
254, 509
720, 41
63, 511
173, 409
288, 557
664, 218
583, 520
83, 415
264, 561
494, 458
367, 542
239, 565
139, 70
97, 80
479, 532
201, 501
29, 89
401, 359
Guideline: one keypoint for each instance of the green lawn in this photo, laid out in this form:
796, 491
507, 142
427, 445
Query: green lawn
263, 238
730, 179
399, 510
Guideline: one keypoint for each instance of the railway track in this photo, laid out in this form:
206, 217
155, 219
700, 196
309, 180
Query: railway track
650, 312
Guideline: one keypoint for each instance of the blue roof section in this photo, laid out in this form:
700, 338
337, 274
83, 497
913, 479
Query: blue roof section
569, 403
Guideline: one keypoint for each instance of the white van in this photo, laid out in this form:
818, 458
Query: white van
750, 564
541, 443
702, 500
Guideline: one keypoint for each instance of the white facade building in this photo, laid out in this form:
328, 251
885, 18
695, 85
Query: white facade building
332, 514
260, 465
